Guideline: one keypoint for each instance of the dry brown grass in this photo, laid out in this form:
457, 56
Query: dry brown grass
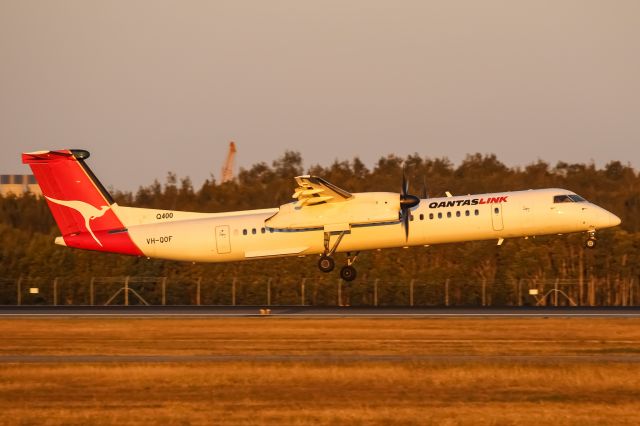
322, 391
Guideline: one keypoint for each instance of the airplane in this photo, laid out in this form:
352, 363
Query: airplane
324, 219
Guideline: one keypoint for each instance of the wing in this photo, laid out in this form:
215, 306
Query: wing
313, 190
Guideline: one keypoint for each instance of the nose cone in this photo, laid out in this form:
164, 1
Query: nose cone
605, 219
614, 220
601, 218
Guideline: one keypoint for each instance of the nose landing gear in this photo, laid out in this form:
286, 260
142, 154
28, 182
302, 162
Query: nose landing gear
591, 241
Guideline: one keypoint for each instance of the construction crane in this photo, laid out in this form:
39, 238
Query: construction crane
227, 168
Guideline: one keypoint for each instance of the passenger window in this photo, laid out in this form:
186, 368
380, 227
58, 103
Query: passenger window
477, 212
496, 210
467, 213
439, 215
244, 232
457, 214
430, 215
448, 214
421, 216
253, 231
263, 230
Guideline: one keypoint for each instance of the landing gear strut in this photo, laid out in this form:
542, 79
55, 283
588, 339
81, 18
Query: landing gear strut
591, 241
327, 264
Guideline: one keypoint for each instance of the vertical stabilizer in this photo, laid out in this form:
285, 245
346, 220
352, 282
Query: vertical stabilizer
81, 206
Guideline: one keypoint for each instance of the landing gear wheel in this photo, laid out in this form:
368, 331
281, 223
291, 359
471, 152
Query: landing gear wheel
326, 263
590, 243
348, 273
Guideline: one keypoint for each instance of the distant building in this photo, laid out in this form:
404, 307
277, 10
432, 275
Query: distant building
18, 185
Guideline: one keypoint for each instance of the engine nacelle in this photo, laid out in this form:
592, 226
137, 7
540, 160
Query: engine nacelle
366, 207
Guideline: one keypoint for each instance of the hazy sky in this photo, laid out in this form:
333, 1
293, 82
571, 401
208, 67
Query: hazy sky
153, 86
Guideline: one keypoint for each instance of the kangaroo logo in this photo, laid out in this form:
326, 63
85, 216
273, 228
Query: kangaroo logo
87, 211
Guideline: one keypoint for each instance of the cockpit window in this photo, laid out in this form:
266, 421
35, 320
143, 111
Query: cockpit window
568, 198
562, 199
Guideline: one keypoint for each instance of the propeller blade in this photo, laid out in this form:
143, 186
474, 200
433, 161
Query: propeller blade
405, 223
407, 202
425, 194
405, 182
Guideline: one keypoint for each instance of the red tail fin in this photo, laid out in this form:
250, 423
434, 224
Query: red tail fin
79, 203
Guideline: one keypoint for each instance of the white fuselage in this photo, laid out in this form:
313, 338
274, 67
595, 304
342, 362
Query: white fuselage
234, 236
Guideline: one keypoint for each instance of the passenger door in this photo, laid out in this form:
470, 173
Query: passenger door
223, 243
496, 217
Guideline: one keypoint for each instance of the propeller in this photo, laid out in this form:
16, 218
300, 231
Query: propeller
425, 194
407, 202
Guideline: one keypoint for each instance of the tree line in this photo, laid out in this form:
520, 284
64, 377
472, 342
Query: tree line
473, 273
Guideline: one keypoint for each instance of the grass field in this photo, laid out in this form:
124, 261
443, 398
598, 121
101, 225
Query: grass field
328, 371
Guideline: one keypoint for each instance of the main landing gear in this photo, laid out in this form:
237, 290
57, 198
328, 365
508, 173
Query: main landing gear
327, 264
591, 241
348, 272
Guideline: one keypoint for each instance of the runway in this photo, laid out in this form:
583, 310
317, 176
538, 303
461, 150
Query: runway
315, 312
341, 359
318, 335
